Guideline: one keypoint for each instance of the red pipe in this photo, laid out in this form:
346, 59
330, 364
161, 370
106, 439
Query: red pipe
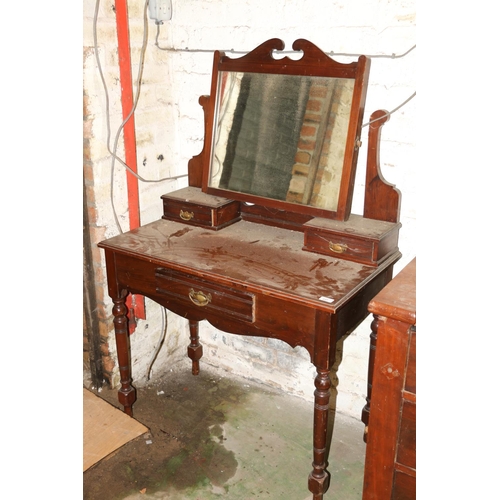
127, 104
135, 303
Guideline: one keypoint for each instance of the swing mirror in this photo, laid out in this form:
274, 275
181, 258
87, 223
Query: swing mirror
284, 133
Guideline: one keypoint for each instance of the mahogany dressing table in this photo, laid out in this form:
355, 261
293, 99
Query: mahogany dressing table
250, 246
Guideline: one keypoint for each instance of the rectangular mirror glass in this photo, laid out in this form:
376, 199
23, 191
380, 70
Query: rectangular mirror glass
281, 136
284, 133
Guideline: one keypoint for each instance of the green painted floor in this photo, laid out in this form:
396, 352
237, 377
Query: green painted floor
215, 437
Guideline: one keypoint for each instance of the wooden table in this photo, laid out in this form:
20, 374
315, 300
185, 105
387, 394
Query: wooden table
247, 279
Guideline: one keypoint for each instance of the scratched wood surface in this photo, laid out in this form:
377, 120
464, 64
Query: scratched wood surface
254, 256
195, 195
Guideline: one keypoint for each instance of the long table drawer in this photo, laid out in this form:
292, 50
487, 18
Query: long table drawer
197, 292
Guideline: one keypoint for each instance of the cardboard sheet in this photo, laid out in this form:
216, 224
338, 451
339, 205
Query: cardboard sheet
105, 429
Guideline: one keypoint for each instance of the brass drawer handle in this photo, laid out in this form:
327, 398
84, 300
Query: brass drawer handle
199, 298
337, 247
186, 215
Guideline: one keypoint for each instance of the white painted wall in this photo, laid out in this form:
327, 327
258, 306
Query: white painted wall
169, 122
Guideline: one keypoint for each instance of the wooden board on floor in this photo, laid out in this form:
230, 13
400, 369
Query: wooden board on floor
105, 429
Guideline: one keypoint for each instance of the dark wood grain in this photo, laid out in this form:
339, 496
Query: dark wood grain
195, 208
362, 240
253, 277
195, 164
248, 279
382, 199
390, 414
313, 62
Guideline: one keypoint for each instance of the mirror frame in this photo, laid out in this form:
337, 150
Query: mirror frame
314, 62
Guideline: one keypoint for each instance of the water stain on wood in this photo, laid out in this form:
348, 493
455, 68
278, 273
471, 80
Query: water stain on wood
181, 232
320, 263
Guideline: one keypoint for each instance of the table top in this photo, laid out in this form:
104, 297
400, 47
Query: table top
255, 257
398, 299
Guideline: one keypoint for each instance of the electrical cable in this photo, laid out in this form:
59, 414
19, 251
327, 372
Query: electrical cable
374, 56
106, 95
331, 53
113, 152
390, 112
232, 51
164, 328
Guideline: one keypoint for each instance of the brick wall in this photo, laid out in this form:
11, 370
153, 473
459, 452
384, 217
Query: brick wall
96, 233
152, 149
169, 130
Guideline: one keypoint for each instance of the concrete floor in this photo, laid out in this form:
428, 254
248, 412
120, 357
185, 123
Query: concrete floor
214, 437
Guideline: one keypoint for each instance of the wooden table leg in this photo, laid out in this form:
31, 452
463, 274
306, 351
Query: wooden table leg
319, 478
365, 414
126, 393
195, 349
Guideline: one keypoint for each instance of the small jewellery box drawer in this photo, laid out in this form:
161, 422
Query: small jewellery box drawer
366, 241
191, 290
192, 206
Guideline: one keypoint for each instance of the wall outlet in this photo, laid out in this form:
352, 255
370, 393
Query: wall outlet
160, 10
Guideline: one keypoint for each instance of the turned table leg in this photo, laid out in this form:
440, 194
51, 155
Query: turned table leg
126, 393
195, 349
319, 478
365, 414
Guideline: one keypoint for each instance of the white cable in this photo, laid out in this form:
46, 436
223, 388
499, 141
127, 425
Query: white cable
164, 328
106, 95
331, 53
391, 112
232, 51
113, 152
374, 56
